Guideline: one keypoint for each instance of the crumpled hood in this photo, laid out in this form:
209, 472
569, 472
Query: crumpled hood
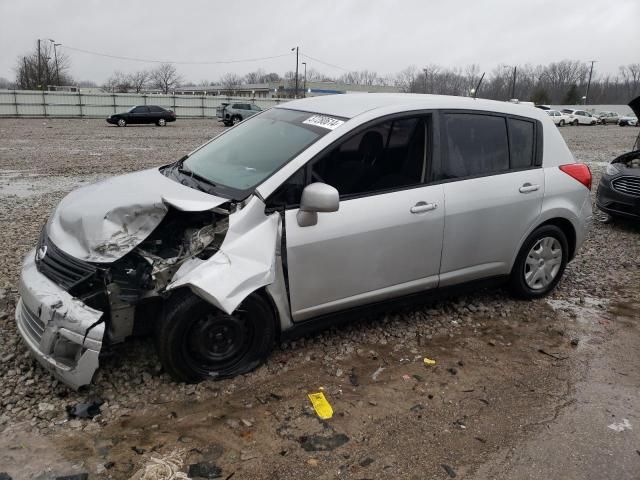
105, 221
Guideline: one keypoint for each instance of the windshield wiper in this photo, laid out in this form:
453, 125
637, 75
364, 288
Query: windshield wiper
187, 171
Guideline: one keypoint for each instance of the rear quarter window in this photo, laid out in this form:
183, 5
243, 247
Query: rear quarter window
521, 143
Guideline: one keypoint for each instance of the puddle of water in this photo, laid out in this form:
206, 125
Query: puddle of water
585, 309
15, 183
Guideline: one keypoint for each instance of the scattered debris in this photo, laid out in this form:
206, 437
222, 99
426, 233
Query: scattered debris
480, 439
621, 426
574, 342
492, 342
319, 443
450, 471
406, 377
452, 371
418, 377
373, 403
353, 379
366, 462
138, 450
246, 423
84, 410
428, 362
204, 470
321, 405
552, 355
247, 455
374, 377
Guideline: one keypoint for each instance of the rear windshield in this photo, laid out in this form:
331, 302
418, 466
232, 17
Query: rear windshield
246, 155
566, 110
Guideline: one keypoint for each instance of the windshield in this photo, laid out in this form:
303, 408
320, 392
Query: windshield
243, 157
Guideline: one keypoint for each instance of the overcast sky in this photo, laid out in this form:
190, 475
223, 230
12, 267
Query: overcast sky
381, 35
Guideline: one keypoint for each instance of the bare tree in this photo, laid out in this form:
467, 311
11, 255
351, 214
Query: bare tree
230, 82
118, 83
631, 78
255, 77
165, 77
38, 69
139, 80
406, 80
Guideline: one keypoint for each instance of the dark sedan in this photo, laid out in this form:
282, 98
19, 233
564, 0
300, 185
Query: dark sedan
141, 114
619, 189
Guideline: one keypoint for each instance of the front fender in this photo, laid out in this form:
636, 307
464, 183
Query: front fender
245, 262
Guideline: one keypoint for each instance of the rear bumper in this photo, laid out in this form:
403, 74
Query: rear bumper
616, 203
63, 333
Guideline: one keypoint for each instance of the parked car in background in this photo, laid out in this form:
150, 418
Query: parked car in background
232, 113
295, 216
141, 114
629, 120
579, 117
608, 117
619, 189
559, 118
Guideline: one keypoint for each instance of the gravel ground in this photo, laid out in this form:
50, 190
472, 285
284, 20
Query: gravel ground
264, 415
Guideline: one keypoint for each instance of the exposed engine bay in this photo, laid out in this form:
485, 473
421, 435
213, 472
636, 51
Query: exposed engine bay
132, 287
629, 160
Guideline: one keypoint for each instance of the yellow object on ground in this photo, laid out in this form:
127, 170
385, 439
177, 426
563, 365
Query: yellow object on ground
321, 405
428, 361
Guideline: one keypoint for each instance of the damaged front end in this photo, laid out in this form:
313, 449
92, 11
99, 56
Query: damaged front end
71, 308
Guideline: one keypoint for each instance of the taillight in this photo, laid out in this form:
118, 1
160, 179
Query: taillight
579, 171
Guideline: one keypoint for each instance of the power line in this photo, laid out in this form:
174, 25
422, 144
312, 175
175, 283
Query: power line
325, 63
146, 60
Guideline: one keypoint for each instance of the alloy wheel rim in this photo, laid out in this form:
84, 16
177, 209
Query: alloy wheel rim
543, 263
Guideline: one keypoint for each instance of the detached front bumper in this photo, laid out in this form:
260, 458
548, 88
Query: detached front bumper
64, 334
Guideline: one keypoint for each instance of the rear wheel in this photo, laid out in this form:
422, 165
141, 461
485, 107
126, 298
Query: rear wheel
575, 123
122, 122
540, 263
237, 119
161, 123
561, 123
196, 341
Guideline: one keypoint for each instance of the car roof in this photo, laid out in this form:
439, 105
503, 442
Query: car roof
352, 105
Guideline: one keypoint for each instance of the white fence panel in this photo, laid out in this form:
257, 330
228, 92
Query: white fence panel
25, 103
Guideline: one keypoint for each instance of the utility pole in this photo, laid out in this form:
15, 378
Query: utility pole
55, 55
424, 70
586, 95
513, 84
39, 83
304, 93
295, 95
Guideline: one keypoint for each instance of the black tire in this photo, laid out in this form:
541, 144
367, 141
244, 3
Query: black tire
161, 123
196, 341
517, 283
122, 122
575, 123
562, 123
235, 120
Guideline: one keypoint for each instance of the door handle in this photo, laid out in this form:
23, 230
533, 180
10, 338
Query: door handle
422, 207
527, 188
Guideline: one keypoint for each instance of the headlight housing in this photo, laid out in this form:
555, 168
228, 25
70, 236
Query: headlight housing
612, 169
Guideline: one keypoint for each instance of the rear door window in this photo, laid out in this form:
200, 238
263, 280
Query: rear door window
475, 145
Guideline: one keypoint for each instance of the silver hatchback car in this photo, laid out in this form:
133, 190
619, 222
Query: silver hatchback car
301, 213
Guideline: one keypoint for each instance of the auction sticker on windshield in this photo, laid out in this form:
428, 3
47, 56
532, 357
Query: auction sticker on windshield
324, 122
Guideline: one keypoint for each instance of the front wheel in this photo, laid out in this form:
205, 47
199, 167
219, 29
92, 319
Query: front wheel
196, 341
122, 122
562, 123
236, 120
575, 123
161, 123
540, 263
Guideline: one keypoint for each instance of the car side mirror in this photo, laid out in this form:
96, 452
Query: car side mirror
317, 197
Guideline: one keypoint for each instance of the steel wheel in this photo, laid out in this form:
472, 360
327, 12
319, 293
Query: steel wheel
122, 122
543, 263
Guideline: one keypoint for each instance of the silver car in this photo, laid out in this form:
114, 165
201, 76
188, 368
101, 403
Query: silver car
303, 213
